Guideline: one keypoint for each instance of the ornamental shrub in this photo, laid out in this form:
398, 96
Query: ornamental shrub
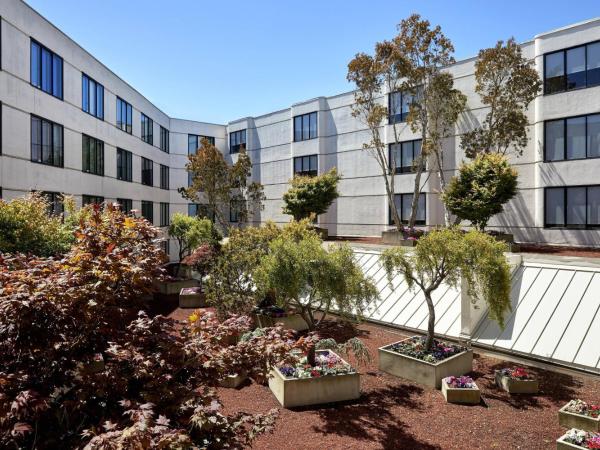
26, 226
192, 231
311, 196
82, 366
481, 189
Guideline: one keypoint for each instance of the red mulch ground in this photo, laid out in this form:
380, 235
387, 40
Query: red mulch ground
393, 413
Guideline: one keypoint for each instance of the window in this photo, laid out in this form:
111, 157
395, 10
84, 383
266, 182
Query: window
93, 155
573, 68
164, 215
124, 115
46, 70
164, 139
305, 127
164, 177
403, 155
126, 205
404, 204
91, 200
237, 140
306, 165
572, 138
55, 200
46, 142
147, 129
165, 246
193, 209
195, 141
148, 211
399, 106
572, 207
92, 97
201, 210
234, 211
124, 165
147, 172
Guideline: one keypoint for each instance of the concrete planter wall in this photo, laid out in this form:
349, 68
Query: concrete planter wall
174, 287
292, 322
470, 396
394, 237
561, 444
421, 371
294, 392
513, 386
568, 419
191, 298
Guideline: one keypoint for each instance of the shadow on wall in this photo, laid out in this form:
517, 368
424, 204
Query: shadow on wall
328, 150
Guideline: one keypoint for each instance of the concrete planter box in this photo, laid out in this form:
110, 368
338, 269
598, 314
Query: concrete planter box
470, 396
292, 322
561, 444
423, 372
513, 386
174, 287
293, 392
191, 297
568, 419
232, 381
394, 237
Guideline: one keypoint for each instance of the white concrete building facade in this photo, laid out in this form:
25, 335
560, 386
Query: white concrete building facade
70, 125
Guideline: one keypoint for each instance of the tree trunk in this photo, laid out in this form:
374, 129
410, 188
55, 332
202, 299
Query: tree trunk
311, 356
431, 323
416, 192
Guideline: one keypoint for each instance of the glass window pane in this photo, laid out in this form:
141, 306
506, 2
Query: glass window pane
406, 206
421, 210
395, 156
554, 72
395, 106
92, 90
406, 101
57, 137
46, 142
305, 127
36, 139
46, 70
57, 70
297, 165
398, 203
192, 144
576, 138
576, 68
593, 136
100, 101
298, 128
576, 206
407, 156
555, 206
593, 205
313, 125
593, 64
313, 164
555, 140
35, 64
84, 94
416, 150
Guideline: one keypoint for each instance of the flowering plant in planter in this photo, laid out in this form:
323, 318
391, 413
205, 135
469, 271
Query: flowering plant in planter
584, 439
416, 347
463, 382
518, 373
412, 233
582, 408
326, 363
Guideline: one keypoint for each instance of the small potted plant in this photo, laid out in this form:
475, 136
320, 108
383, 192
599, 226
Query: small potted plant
411, 359
580, 415
460, 390
516, 381
581, 439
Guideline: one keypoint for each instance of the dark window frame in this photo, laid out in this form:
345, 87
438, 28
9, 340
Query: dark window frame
124, 165
147, 172
164, 139
565, 75
402, 169
566, 225
237, 136
148, 207
564, 121
309, 172
91, 199
127, 125
126, 205
164, 177
396, 118
51, 72
146, 129
302, 118
197, 138
234, 212
56, 200
61, 153
165, 217
99, 113
99, 155
417, 222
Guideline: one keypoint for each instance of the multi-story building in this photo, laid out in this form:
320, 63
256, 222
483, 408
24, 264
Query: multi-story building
70, 125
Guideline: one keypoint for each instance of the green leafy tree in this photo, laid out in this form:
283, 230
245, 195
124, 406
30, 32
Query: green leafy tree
304, 275
481, 189
310, 196
191, 232
507, 83
27, 226
447, 255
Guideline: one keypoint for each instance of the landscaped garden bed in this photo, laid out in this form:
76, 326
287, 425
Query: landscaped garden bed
191, 297
404, 238
271, 315
580, 439
461, 390
580, 415
331, 379
409, 359
516, 381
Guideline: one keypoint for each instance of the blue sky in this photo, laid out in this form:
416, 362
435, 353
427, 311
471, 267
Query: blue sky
217, 61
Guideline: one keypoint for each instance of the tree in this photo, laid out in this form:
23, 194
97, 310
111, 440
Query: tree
507, 83
27, 226
311, 195
481, 189
445, 256
304, 275
83, 367
221, 186
412, 63
191, 232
